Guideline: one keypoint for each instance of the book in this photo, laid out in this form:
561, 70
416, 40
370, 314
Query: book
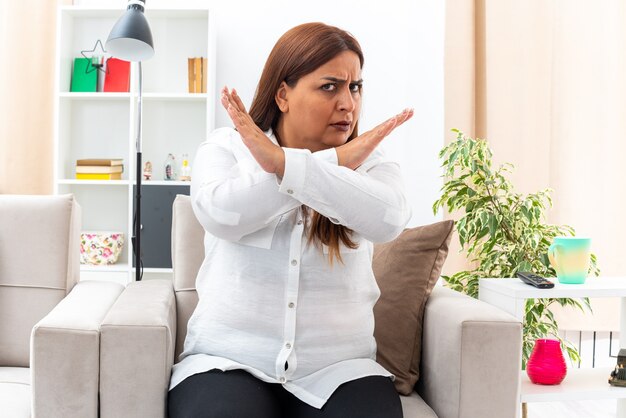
84, 76
204, 74
191, 76
117, 78
102, 176
197, 72
99, 169
103, 161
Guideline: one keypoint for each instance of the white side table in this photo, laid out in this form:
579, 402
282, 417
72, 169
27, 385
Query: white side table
579, 384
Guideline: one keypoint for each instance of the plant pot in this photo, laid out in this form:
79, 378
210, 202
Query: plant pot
546, 365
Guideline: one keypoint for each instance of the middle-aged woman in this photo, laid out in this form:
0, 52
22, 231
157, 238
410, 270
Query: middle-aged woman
291, 202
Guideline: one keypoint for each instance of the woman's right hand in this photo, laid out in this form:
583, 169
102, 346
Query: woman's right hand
353, 153
270, 157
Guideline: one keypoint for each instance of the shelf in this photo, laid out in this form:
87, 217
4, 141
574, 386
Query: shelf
594, 287
164, 183
179, 13
124, 182
95, 182
175, 96
125, 96
108, 12
579, 384
118, 267
94, 96
156, 270
92, 12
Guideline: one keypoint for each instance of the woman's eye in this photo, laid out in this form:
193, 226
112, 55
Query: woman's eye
328, 87
355, 88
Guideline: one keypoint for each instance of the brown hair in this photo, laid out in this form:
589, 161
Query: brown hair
299, 52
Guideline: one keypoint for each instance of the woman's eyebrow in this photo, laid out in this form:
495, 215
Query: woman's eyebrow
338, 80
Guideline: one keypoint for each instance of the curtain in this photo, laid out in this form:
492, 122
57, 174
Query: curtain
27, 51
544, 82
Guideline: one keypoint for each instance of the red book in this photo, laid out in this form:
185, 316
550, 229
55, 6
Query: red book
117, 77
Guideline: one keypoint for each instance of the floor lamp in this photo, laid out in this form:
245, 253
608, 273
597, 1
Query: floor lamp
131, 40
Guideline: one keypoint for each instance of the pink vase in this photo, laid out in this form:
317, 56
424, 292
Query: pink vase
546, 365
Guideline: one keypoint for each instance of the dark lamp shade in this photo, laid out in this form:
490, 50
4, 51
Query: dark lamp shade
131, 38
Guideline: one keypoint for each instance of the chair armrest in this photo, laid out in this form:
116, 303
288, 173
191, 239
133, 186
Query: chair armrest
471, 357
137, 351
65, 352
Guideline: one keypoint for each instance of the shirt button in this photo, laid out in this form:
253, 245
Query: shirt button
289, 191
291, 304
294, 262
282, 380
288, 345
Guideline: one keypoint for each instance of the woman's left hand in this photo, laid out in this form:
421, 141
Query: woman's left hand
270, 157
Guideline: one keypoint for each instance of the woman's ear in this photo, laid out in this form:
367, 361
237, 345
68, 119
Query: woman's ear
281, 97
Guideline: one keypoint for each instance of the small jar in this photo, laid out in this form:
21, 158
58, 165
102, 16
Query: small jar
169, 169
185, 169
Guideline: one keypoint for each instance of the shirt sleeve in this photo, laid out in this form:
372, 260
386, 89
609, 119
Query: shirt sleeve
233, 197
369, 200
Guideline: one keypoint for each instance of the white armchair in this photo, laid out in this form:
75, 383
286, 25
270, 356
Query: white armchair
49, 324
470, 361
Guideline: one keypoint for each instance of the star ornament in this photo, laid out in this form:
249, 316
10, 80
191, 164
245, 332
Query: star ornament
97, 61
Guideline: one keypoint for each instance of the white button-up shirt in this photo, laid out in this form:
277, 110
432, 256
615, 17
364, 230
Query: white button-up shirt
269, 303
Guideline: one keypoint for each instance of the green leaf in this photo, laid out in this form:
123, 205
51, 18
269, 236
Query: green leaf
493, 224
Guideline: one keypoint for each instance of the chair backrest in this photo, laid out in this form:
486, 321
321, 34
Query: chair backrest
187, 257
39, 265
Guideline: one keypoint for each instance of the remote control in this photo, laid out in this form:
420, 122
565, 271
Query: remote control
534, 280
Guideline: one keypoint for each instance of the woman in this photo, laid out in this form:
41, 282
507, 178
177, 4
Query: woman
291, 201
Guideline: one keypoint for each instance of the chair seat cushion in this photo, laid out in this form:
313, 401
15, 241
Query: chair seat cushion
413, 406
15, 391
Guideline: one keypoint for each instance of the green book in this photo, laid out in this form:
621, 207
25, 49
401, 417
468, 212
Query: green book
84, 76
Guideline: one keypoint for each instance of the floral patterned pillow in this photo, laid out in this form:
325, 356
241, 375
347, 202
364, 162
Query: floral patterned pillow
100, 248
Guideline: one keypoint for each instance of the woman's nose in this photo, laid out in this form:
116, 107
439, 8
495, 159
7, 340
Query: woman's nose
346, 101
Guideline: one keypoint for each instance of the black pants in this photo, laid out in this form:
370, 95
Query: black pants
238, 394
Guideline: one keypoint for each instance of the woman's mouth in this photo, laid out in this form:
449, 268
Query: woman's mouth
341, 126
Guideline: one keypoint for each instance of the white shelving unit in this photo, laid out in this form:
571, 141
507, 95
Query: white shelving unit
103, 125
579, 384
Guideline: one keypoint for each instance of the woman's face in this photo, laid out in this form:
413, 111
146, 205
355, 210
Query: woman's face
321, 110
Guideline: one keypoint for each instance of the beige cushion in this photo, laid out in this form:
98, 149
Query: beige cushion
406, 270
137, 351
186, 302
15, 392
20, 309
187, 257
413, 406
39, 251
65, 352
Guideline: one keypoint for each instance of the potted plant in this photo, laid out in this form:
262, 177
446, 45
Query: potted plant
502, 232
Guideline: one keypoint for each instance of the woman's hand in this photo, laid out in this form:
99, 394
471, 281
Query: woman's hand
270, 157
353, 153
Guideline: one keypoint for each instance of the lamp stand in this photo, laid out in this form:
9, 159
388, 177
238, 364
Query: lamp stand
137, 224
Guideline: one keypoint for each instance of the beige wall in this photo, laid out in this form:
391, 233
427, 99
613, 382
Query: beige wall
27, 48
543, 81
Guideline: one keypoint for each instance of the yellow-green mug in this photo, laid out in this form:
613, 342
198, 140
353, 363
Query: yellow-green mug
570, 257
